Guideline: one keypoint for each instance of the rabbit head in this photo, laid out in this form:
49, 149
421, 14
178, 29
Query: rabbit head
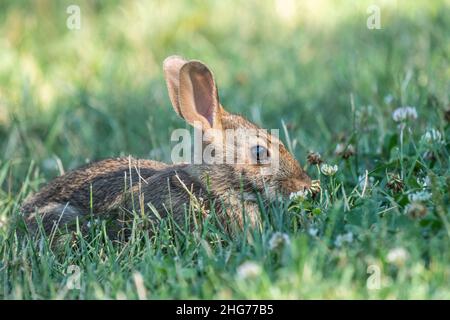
241, 153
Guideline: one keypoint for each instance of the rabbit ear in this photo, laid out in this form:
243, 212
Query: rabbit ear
172, 66
198, 98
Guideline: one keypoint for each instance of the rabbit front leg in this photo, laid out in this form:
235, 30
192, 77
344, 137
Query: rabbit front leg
242, 211
252, 214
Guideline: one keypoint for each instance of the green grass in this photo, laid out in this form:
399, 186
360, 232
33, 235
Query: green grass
67, 97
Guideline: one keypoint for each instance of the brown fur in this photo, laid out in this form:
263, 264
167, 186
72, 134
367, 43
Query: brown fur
129, 185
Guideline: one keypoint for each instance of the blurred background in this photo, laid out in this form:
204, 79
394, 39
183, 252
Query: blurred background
82, 81
68, 95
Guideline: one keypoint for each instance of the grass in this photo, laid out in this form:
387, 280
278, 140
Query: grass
72, 96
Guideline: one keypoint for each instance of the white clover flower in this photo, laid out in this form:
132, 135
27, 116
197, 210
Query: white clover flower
248, 269
315, 187
432, 136
329, 170
404, 113
343, 238
299, 195
362, 181
279, 240
397, 256
313, 231
344, 151
90, 223
419, 196
3, 221
340, 147
424, 182
388, 99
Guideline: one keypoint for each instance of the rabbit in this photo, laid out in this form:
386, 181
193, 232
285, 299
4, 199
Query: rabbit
127, 184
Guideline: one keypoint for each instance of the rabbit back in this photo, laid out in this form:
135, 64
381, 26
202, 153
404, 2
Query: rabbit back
95, 188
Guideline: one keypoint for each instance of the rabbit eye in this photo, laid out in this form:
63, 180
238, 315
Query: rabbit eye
260, 153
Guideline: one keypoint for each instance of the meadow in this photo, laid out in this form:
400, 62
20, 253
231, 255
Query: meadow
373, 102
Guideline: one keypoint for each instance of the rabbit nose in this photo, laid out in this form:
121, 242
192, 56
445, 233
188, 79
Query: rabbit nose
303, 184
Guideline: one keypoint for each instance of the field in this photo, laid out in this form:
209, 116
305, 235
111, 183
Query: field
373, 102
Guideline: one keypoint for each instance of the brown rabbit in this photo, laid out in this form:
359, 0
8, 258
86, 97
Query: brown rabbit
129, 185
